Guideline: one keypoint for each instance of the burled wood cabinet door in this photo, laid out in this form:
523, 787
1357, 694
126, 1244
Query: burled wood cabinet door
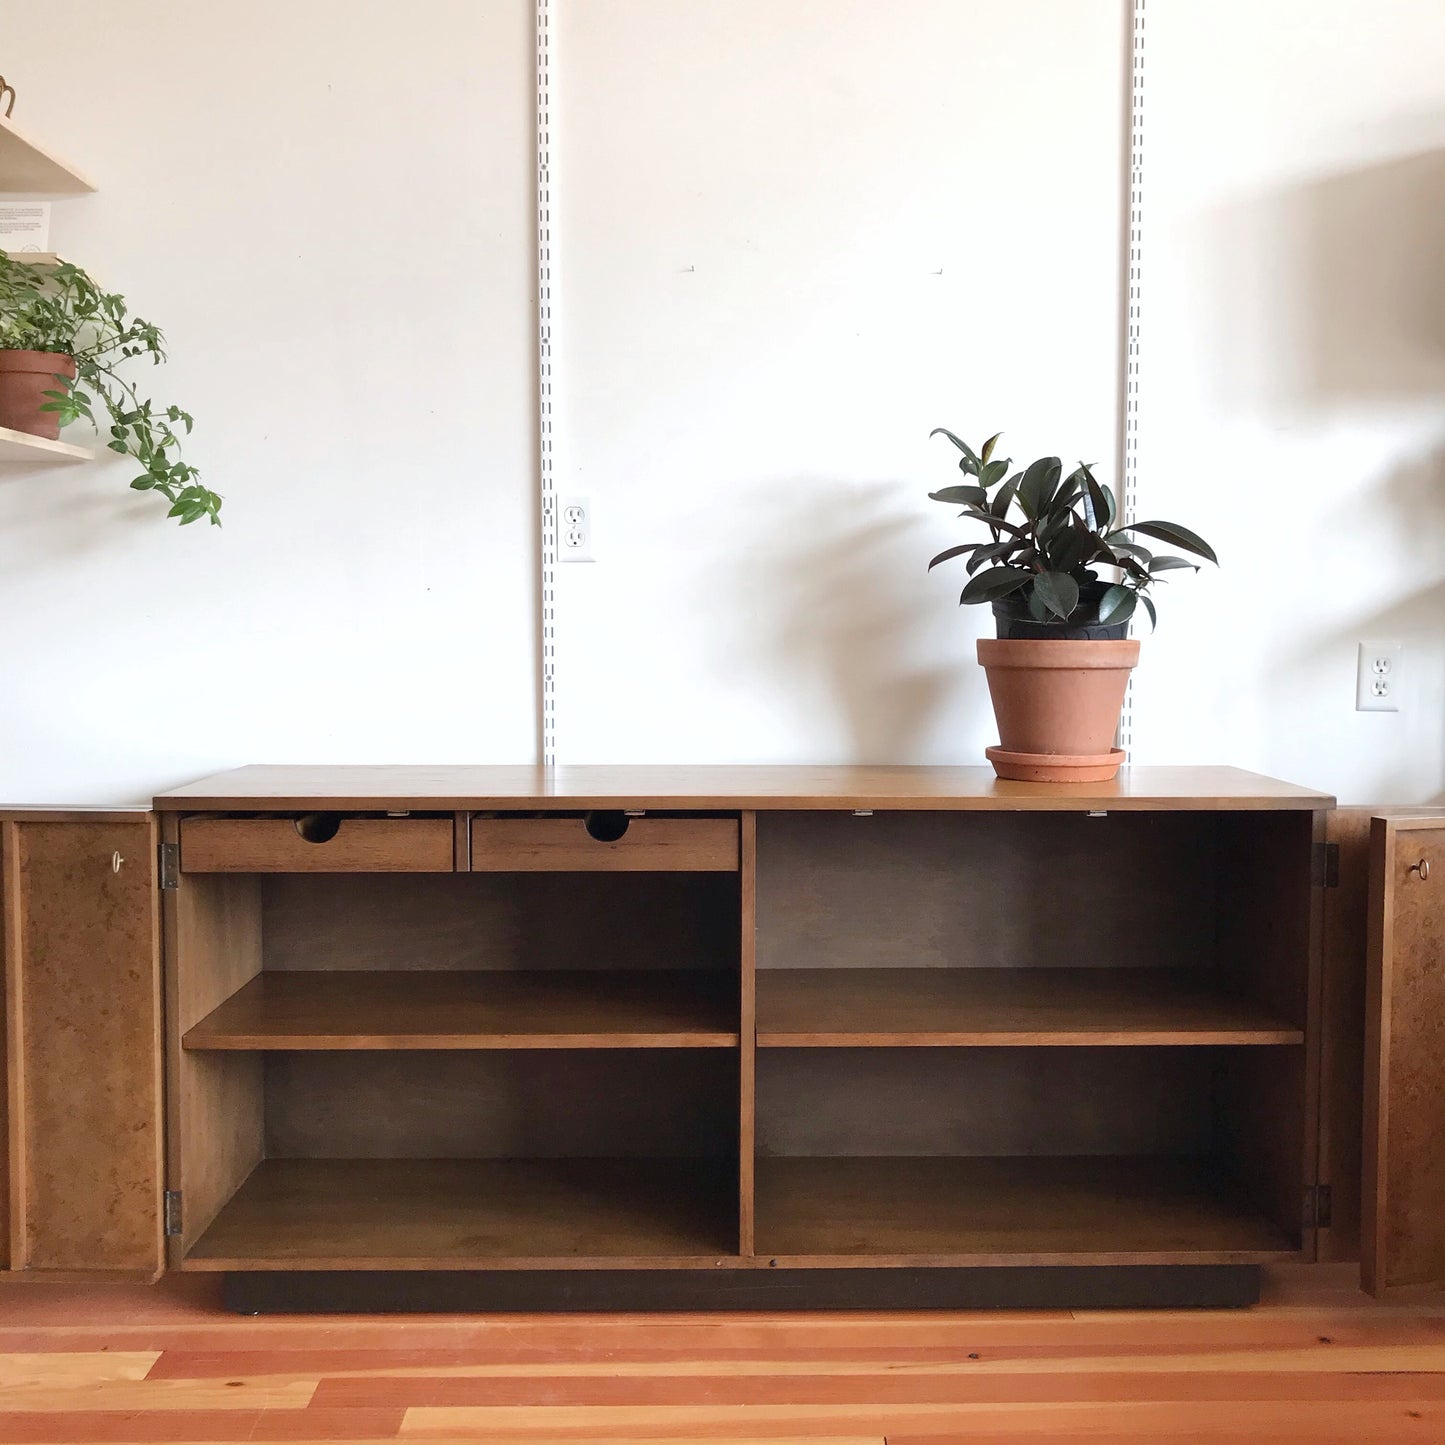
83, 1056
1403, 1208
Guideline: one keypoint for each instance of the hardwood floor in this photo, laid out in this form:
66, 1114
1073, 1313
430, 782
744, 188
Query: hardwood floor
1318, 1363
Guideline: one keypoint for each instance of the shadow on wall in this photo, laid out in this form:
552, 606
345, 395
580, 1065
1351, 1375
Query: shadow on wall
1322, 308
842, 621
100, 513
1333, 292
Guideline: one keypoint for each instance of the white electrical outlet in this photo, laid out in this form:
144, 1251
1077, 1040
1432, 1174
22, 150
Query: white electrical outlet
1380, 677
574, 530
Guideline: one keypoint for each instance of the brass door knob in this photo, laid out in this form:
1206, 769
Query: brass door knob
1422, 868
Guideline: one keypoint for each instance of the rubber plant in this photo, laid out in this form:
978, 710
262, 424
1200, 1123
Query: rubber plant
1047, 535
1059, 666
64, 345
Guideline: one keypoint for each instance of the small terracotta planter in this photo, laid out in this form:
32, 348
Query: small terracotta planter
1057, 703
25, 377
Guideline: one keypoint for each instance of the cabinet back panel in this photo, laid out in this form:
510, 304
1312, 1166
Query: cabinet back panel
501, 921
1269, 907
542, 1104
986, 1101
986, 890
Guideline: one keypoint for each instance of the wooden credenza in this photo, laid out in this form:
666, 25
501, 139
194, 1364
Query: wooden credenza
775, 1034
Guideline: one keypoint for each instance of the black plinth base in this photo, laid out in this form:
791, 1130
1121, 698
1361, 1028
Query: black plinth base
1134, 1287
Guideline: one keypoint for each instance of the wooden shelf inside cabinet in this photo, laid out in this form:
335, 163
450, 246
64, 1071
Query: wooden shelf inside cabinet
458, 1213
1023, 1210
28, 168
575, 1009
1006, 1007
19, 446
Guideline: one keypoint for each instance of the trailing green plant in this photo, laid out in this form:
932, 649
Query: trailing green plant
60, 309
1047, 532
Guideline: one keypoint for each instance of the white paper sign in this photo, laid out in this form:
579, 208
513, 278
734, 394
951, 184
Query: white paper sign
24, 226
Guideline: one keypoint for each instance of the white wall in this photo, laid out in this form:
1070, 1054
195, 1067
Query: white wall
754, 340
754, 200
328, 207
1293, 384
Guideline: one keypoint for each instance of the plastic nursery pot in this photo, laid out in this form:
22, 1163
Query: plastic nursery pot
1057, 703
1012, 619
25, 377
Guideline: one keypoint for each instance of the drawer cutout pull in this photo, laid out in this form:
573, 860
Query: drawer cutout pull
318, 827
607, 826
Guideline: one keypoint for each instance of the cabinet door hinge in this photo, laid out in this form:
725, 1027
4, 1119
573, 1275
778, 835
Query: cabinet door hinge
1319, 1207
172, 1212
1327, 865
170, 864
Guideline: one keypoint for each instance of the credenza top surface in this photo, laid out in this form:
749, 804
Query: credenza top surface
263, 787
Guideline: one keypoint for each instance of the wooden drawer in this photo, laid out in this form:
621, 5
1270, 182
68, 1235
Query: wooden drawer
564, 845
291, 845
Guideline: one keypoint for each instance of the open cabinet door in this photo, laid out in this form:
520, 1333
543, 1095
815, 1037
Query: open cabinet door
82, 1044
1403, 1209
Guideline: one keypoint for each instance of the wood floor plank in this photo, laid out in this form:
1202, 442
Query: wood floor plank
1376, 1423
929, 1336
872, 1390
511, 1360
120, 1427
235, 1393
79, 1367
1391, 1357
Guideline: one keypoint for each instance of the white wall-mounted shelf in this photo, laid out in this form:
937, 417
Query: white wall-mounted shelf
29, 169
19, 446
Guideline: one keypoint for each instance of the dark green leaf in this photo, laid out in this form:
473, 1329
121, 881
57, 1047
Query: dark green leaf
996, 582
990, 552
963, 446
1149, 608
993, 472
1039, 483
1003, 498
1057, 591
988, 447
988, 518
1171, 564
1179, 536
973, 496
952, 552
1117, 604
1102, 500
1073, 548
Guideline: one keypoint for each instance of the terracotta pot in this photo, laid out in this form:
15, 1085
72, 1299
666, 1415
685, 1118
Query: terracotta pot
25, 377
1057, 704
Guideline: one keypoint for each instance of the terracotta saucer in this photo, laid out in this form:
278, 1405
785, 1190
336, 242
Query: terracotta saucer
1055, 767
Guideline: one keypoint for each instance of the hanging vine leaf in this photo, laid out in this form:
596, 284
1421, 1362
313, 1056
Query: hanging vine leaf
59, 309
